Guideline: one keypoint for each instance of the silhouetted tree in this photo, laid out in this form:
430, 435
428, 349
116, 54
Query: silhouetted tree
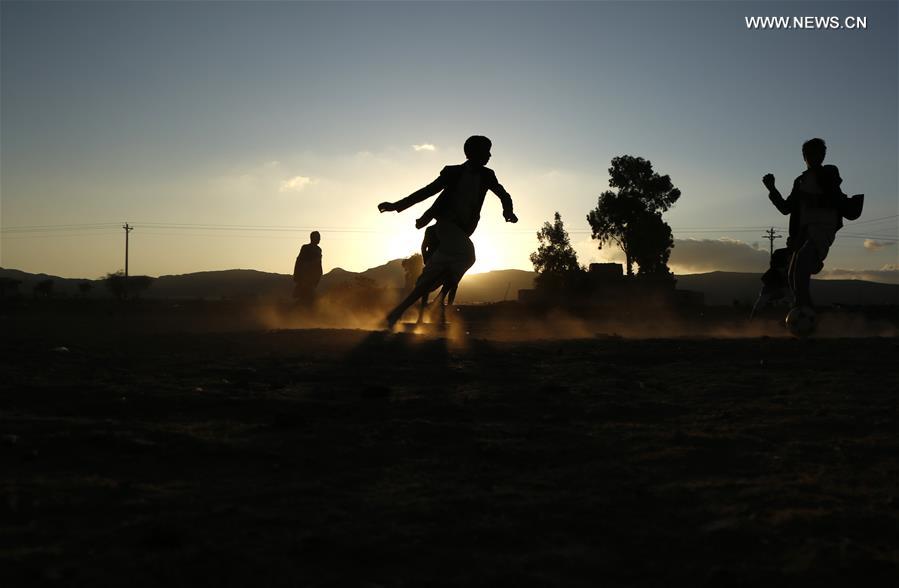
610, 220
85, 288
621, 216
650, 245
43, 289
555, 259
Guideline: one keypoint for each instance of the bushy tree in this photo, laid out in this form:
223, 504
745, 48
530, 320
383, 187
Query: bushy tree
610, 222
635, 178
629, 216
555, 258
651, 246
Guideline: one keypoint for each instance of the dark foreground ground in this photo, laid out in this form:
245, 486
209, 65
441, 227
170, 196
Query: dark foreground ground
350, 458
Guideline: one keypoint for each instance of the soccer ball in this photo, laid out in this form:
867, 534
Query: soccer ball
801, 321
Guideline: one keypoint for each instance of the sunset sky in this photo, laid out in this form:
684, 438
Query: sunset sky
226, 131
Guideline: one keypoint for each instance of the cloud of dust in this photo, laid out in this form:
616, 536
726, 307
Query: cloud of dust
363, 306
556, 324
659, 322
854, 324
356, 305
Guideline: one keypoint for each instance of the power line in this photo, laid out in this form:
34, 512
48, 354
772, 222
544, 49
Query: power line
57, 235
874, 220
218, 235
376, 229
97, 227
228, 233
219, 226
59, 226
247, 227
873, 237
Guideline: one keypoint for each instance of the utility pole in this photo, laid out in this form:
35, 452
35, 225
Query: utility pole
128, 228
771, 235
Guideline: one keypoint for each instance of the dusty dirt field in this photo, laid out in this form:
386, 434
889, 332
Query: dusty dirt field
356, 458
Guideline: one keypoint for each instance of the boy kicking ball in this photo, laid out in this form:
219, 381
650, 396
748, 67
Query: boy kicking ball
457, 210
816, 206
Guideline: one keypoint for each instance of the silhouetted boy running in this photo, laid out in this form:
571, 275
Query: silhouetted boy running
457, 210
816, 206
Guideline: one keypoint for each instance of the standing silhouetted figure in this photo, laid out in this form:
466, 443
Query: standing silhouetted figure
307, 271
816, 206
457, 210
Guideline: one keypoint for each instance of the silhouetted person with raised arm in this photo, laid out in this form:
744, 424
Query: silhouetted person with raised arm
457, 210
307, 271
817, 206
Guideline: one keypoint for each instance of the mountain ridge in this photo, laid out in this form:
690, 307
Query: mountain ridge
718, 287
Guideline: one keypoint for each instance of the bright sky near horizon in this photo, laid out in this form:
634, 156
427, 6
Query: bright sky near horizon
225, 131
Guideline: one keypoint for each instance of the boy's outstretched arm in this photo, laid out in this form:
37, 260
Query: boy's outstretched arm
417, 196
504, 197
785, 206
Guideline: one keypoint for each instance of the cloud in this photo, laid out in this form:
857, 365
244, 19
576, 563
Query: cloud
691, 256
872, 245
295, 184
425, 147
588, 251
888, 274
261, 179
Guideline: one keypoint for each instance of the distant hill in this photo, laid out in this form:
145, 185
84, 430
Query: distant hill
237, 283
390, 274
719, 288
726, 287
243, 283
61, 286
486, 287
494, 286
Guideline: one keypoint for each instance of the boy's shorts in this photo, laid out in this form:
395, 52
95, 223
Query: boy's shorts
454, 255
